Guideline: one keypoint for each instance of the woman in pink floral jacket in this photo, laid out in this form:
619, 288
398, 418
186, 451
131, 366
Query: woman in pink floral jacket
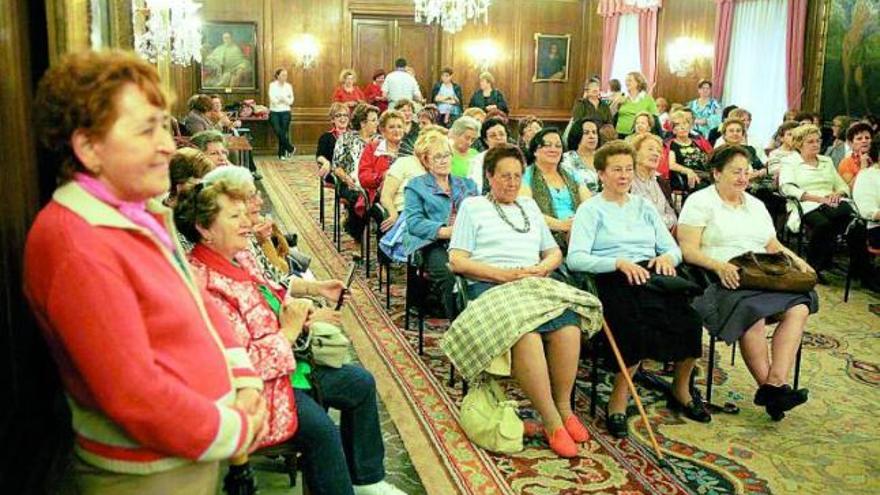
344, 460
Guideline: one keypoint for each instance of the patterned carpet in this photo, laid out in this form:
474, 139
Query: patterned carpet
829, 445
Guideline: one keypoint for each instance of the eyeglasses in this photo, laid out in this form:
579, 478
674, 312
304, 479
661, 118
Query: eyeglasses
441, 157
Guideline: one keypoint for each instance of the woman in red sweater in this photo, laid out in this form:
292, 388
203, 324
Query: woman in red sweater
267, 320
379, 154
159, 393
347, 92
373, 91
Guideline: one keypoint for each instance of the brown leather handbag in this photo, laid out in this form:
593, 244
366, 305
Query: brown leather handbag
772, 272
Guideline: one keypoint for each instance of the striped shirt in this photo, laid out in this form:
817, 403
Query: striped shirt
480, 231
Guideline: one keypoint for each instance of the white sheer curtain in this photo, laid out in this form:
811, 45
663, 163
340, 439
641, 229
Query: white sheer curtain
756, 69
626, 52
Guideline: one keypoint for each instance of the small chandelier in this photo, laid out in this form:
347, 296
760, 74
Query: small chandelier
451, 14
169, 27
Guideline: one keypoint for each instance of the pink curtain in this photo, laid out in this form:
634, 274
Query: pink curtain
611, 10
796, 27
612, 7
609, 41
648, 45
723, 29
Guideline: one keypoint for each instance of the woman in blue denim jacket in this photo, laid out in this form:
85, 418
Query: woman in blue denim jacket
431, 202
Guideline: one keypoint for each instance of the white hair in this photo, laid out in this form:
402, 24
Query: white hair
233, 174
463, 124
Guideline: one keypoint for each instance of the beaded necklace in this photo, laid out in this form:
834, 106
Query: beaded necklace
527, 225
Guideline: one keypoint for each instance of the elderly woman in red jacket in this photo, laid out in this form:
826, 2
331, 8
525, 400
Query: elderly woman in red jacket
381, 153
267, 320
159, 393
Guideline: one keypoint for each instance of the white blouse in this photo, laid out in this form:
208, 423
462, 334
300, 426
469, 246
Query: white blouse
280, 96
728, 231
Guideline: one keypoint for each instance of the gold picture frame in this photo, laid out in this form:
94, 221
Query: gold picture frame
552, 57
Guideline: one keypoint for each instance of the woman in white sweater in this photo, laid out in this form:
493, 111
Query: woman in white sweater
280, 101
812, 179
866, 193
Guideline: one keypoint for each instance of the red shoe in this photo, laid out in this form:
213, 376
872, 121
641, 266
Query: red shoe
561, 443
576, 430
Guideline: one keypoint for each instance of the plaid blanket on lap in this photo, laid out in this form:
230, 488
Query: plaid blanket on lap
494, 322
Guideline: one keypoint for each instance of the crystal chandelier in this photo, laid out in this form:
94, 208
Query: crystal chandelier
169, 27
451, 14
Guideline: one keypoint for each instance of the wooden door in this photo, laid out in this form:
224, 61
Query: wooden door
417, 43
379, 41
373, 47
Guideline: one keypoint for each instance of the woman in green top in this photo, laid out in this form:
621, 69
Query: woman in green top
462, 135
635, 101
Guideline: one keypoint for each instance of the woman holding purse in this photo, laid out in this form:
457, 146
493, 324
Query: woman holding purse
346, 460
717, 224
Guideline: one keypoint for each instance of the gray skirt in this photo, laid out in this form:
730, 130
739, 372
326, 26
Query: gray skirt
727, 314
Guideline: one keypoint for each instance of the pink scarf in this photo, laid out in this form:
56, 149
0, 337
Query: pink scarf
134, 211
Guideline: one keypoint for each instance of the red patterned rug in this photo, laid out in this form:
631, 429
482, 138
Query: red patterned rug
425, 408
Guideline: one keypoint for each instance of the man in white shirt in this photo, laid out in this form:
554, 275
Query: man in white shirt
400, 84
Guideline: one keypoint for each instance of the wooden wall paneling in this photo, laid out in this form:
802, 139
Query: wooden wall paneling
314, 86
68, 26
372, 46
548, 99
456, 52
419, 45
690, 19
34, 424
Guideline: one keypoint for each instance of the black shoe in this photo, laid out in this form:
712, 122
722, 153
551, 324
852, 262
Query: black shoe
616, 424
240, 480
765, 393
694, 410
257, 175
785, 399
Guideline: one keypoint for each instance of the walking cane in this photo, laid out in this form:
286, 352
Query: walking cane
632, 390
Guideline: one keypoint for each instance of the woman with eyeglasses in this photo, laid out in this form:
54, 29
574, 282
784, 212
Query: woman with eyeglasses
430, 205
721, 222
493, 133
339, 119
402, 171
620, 237
347, 156
502, 238
556, 190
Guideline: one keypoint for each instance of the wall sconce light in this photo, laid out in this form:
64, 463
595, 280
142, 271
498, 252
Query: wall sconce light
683, 54
483, 53
306, 49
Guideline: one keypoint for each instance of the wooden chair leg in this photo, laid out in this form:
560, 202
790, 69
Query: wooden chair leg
321, 200
594, 378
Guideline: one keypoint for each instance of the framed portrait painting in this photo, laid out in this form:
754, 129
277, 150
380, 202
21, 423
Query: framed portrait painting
229, 57
551, 57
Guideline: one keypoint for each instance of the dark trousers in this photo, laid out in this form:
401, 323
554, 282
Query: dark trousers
354, 223
335, 458
280, 122
826, 224
858, 239
443, 281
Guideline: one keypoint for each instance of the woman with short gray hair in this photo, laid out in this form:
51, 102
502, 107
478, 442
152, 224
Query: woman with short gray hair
462, 135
